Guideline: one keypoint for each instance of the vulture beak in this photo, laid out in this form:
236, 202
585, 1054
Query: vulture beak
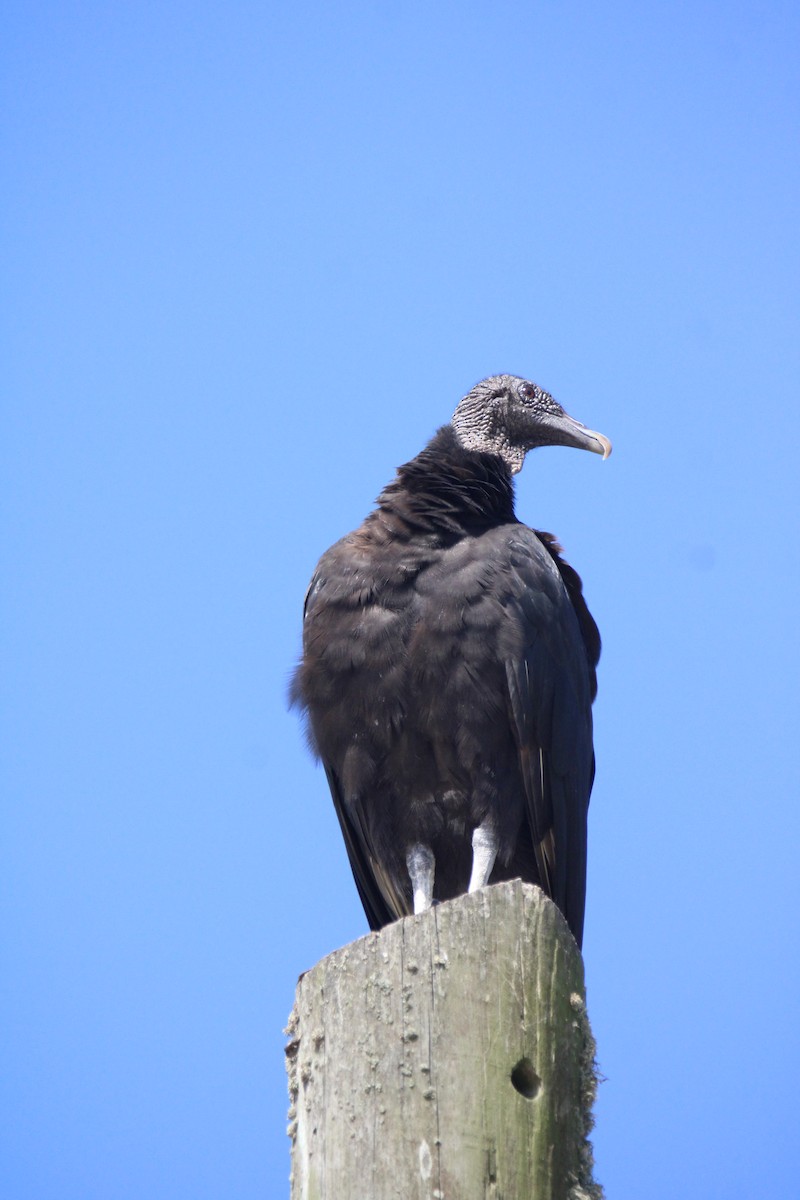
595, 442
566, 431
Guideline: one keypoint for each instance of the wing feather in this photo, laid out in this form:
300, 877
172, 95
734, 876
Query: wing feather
550, 691
382, 901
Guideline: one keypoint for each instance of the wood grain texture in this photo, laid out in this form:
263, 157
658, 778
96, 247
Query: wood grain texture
447, 1057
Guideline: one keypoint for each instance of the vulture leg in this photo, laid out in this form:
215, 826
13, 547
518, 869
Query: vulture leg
421, 864
484, 852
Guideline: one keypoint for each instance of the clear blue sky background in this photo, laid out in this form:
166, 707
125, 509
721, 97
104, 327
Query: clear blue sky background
253, 255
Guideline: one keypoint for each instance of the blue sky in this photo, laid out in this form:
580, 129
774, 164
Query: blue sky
253, 256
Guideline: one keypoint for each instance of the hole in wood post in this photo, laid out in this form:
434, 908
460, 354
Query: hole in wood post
525, 1079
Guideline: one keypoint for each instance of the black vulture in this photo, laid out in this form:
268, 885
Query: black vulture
448, 672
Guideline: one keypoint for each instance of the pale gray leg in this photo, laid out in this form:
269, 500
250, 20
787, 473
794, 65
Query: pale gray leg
484, 852
421, 864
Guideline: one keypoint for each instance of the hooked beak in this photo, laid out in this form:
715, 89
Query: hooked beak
566, 431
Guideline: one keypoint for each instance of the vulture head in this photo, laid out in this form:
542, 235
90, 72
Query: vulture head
508, 416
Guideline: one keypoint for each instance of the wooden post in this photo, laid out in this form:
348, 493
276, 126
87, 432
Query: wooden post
448, 1057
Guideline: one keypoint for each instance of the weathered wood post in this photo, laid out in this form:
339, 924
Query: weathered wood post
448, 1057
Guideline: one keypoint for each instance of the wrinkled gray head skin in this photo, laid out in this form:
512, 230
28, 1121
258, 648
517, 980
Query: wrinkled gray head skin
509, 416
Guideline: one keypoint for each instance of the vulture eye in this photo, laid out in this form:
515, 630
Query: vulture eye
527, 391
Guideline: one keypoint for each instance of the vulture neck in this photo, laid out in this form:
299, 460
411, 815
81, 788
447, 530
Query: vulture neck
449, 489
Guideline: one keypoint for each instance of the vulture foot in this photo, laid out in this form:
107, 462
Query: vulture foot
484, 852
421, 864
